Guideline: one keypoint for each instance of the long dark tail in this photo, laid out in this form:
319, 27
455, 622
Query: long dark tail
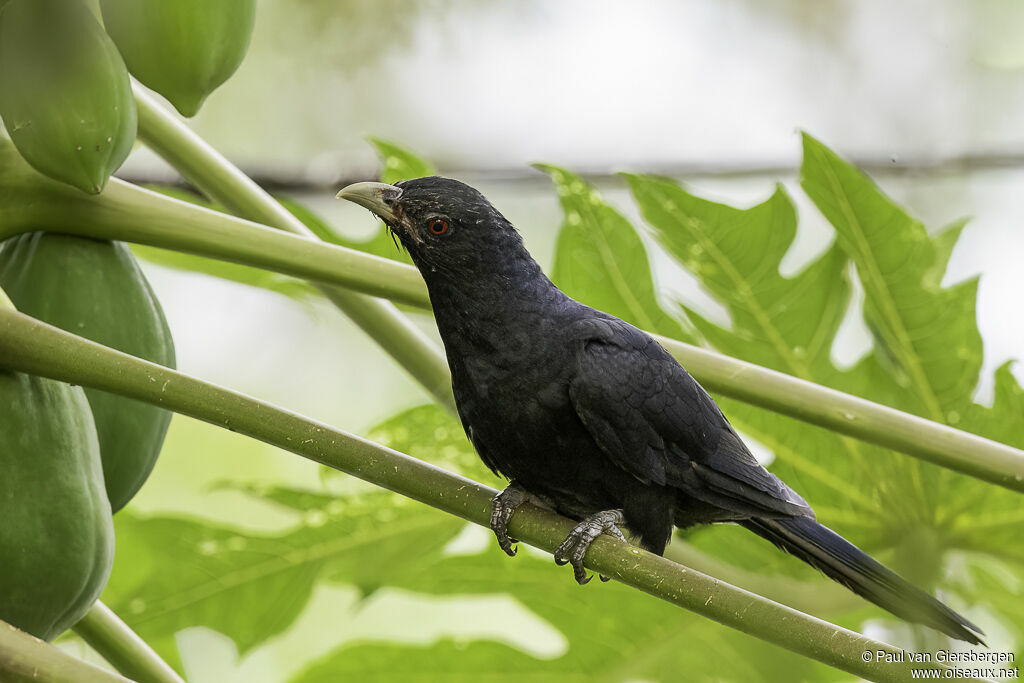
841, 561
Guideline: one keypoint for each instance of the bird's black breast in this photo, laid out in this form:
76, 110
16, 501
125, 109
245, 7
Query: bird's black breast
512, 392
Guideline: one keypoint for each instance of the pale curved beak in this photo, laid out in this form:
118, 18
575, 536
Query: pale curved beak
380, 198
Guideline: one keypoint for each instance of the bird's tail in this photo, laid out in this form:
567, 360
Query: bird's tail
841, 561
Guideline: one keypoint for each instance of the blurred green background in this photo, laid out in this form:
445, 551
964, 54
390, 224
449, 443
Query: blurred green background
928, 97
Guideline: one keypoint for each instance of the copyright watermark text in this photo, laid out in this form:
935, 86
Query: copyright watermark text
992, 665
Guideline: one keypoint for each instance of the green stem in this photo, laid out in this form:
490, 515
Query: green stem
26, 659
132, 214
988, 460
122, 647
28, 345
824, 598
223, 182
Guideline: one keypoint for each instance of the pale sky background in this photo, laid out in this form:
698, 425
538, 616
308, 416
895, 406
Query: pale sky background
478, 84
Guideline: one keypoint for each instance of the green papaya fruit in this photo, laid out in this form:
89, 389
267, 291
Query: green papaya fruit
65, 95
56, 534
183, 49
96, 290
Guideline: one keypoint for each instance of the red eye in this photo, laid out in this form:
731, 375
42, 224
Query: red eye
438, 226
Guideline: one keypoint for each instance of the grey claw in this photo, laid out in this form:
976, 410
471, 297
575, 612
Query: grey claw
567, 552
574, 548
605, 579
505, 503
506, 544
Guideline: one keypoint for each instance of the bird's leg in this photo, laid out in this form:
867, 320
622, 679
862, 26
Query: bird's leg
505, 503
575, 545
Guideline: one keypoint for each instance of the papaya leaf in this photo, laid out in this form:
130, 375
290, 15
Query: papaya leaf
173, 573
400, 163
997, 422
787, 324
599, 257
612, 634
927, 334
251, 587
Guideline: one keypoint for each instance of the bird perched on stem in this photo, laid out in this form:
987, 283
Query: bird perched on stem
589, 416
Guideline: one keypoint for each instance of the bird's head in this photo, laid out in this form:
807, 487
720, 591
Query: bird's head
447, 226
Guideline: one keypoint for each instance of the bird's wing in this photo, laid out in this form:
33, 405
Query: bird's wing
650, 417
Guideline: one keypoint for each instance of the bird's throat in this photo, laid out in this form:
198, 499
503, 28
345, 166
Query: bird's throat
481, 311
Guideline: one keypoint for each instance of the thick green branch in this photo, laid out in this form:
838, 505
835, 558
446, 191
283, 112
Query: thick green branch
122, 647
223, 182
28, 345
130, 213
26, 659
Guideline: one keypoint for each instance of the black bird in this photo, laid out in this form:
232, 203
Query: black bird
590, 416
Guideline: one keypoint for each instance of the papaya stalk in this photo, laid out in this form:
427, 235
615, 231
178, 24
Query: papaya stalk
123, 648
26, 658
129, 213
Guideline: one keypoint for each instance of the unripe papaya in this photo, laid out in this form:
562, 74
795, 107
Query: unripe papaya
183, 49
56, 534
96, 290
65, 96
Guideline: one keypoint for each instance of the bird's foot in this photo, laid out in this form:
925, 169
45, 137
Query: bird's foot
505, 503
575, 545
